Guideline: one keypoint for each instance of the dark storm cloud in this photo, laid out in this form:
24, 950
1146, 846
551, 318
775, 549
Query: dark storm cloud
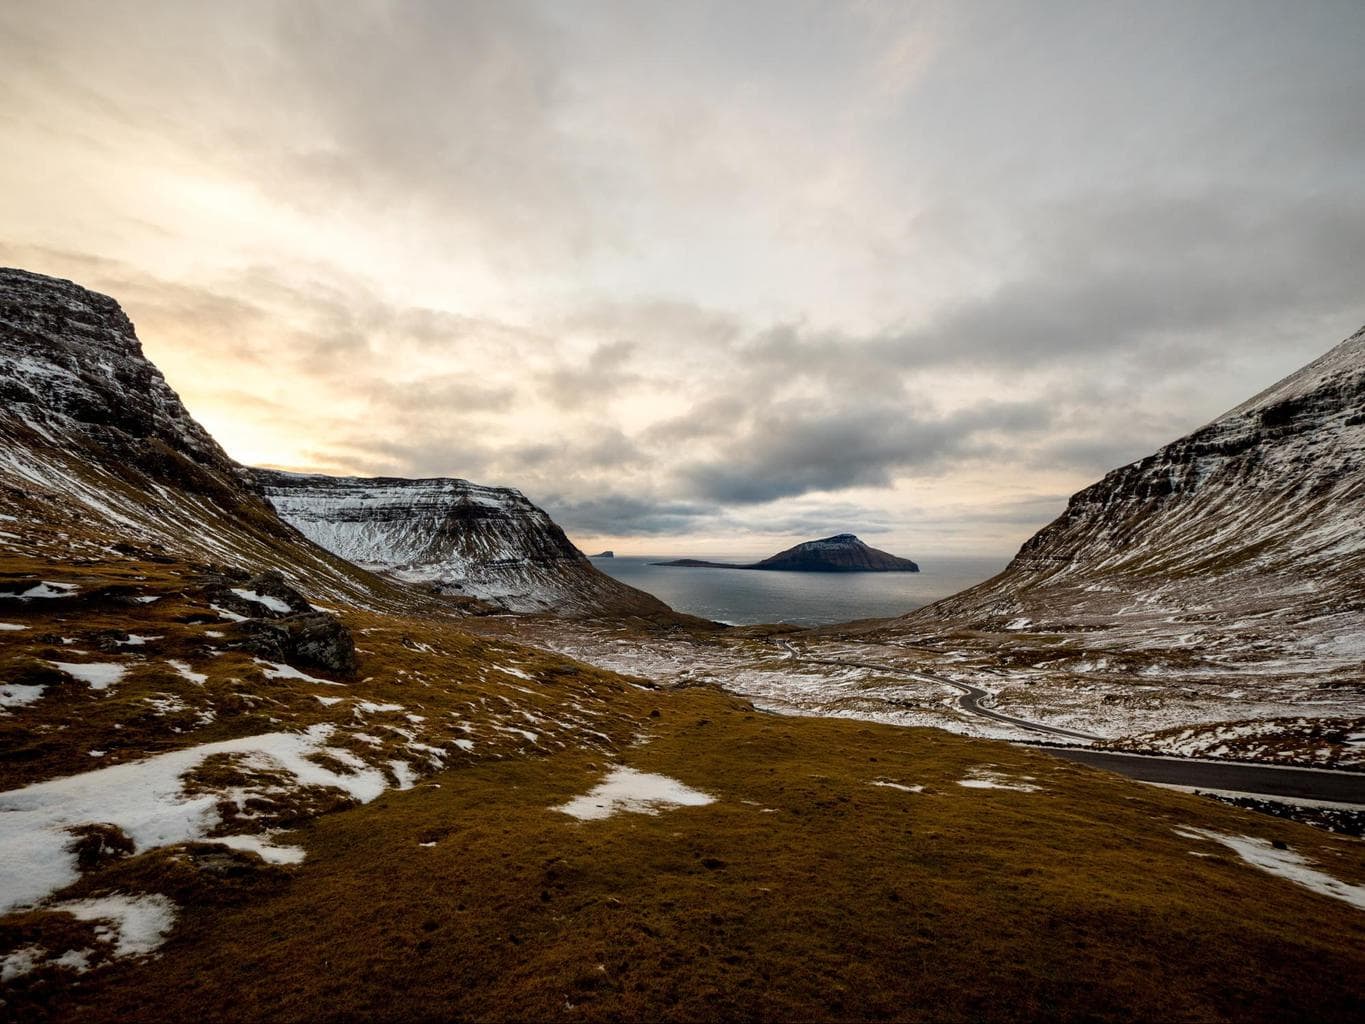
709, 418
616, 513
1118, 294
792, 450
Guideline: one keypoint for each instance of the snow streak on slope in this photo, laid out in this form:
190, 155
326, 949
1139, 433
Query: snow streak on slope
1254, 522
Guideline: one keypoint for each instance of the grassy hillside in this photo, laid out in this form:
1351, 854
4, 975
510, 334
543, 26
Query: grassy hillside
841, 871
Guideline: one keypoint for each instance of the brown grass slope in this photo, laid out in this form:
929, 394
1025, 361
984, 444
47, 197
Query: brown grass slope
806, 891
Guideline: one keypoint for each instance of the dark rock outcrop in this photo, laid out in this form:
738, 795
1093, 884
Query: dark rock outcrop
312, 639
279, 623
263, 596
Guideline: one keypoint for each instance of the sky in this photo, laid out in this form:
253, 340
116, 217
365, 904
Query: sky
703, 277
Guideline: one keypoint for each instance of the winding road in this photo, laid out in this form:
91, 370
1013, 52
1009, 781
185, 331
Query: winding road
970, 701
1271, 781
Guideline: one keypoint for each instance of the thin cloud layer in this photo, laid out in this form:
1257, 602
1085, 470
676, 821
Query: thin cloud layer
703, 275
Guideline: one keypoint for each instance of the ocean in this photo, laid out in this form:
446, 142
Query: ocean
744, 597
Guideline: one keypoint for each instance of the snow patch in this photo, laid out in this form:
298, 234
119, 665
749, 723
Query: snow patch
137, 925
77, 960
20, 962
273, 603
183, 668
46, 589
1285, 863
274, 671
626, 789
146, 800
370, 707
984, 778
268, 851
14, 695
132, 925
137, 641
96, 675
889, 784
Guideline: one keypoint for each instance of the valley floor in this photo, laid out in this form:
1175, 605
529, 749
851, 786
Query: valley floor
841, 870
1025, 688
475, 827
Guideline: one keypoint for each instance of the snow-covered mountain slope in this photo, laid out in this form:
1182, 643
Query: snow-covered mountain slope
1211, 592
485, 542
1256, 519
97, 453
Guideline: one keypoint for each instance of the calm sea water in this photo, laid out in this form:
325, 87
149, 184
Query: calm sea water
800, 598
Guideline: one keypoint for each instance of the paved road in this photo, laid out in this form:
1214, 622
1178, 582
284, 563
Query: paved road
1254, 779
970, 701
1262, 780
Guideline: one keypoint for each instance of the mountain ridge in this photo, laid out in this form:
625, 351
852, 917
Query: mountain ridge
90, 427
490, 543
1182, 513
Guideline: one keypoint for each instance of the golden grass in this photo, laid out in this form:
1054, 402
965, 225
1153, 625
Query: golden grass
803, 892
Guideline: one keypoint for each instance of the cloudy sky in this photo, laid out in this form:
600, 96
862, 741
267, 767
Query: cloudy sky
704, 277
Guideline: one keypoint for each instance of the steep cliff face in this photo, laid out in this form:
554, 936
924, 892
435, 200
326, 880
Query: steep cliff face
72, 375
97, 452
1253, 521
485, 542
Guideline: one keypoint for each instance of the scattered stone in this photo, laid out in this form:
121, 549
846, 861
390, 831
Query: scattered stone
315, 639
